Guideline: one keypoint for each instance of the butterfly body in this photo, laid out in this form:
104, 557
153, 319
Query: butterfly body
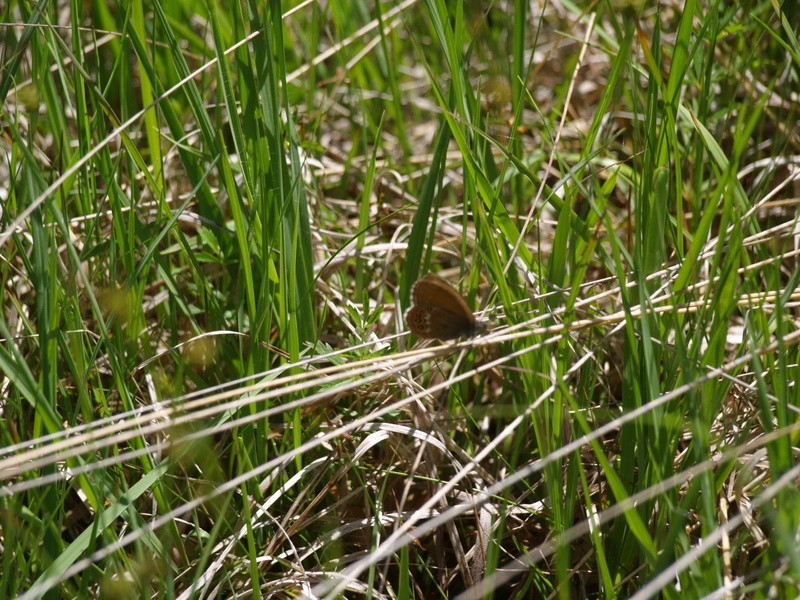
439, 311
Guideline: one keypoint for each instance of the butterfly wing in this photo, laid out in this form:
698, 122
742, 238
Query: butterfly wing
439, 311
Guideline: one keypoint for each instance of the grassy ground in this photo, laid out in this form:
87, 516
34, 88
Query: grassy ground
213, 219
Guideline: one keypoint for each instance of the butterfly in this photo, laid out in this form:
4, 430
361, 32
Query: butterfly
439, 311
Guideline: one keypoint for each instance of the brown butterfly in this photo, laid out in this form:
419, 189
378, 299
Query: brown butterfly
439, 311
